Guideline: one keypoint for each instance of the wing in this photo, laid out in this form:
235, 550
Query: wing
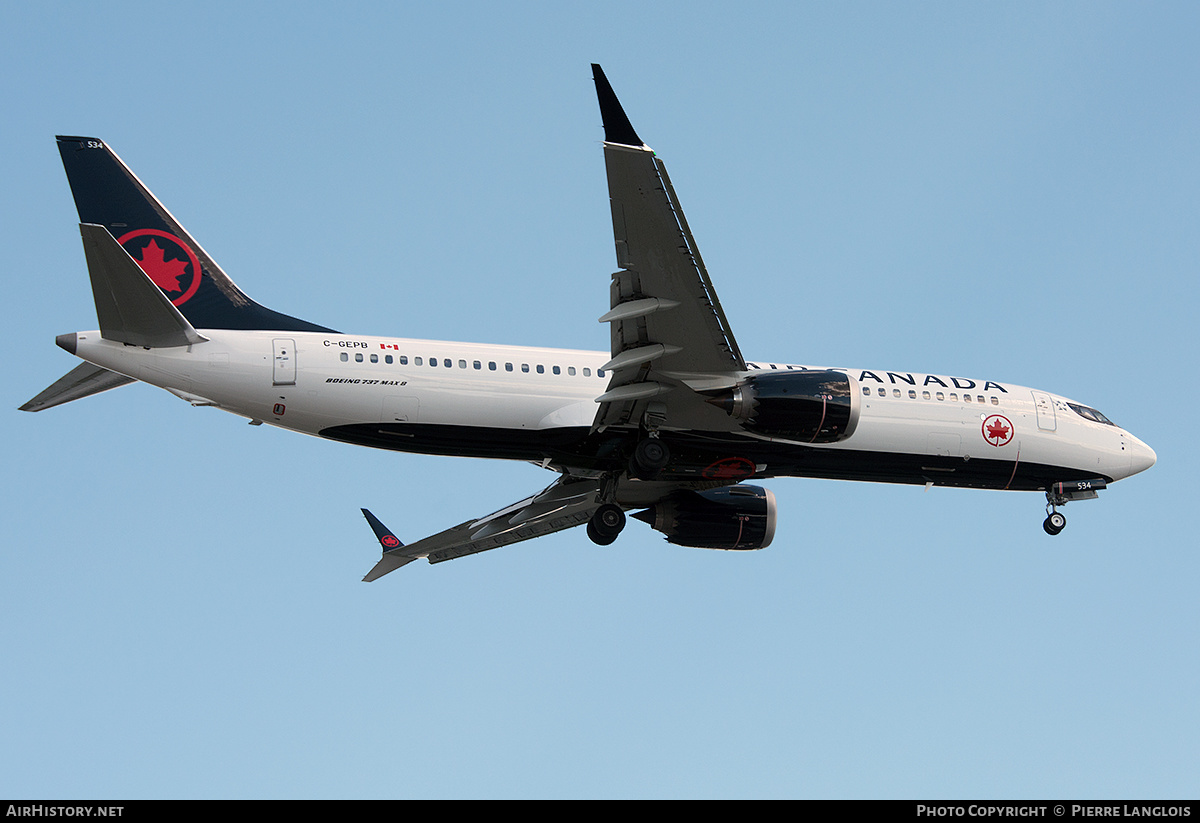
564, 504
669, 333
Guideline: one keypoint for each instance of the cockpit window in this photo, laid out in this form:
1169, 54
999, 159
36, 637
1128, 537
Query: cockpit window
1090, 414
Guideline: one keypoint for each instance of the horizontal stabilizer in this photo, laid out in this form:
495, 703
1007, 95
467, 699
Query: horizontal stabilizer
82, 381
131, 309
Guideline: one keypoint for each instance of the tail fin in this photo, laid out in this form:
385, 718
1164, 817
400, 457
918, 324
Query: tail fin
107, 193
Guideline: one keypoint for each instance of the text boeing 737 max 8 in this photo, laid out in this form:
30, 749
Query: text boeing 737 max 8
670, 421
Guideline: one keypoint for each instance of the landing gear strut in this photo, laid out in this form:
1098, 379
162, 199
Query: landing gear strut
606, 524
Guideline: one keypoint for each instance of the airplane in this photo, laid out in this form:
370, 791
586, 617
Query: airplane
669, 423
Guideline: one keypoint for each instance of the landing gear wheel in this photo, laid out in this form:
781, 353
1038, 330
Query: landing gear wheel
606, 524
649, 458
1054, 523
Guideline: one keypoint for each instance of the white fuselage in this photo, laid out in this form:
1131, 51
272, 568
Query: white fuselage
316, 382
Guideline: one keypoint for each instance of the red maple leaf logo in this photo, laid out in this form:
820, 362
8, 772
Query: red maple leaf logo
164, 273
730, 468
997, 432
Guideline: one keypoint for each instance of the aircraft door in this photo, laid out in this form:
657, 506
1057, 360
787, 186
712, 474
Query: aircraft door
285, 361
1045, 411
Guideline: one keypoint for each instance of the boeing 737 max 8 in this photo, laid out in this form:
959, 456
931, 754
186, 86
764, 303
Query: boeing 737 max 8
669, 422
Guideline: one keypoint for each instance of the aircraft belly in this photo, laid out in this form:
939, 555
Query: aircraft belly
467, 441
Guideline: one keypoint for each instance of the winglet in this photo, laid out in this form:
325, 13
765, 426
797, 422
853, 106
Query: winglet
617, 128
389, 543
386, 539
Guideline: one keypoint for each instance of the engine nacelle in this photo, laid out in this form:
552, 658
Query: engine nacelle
734, 517
817, 406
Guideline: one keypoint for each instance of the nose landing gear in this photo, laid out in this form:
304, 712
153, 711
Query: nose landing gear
1059, 494
1055, 520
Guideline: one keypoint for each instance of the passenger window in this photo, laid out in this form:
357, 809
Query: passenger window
966, 398
587, 372
924, 395
867, 391
462, 364
941, 396
570, 370
599, 372
387, 358
912, 394
556, 370
953, 397
358, 358
345, 357
995, 401
541, 369
979, 397
374, 358
525, 368
508, 366
895, 392
417, 361
433, 362
491, 365
404, 360
477, 365
447, 362
881, 392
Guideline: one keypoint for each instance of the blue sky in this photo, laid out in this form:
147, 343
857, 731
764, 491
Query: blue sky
1000, 191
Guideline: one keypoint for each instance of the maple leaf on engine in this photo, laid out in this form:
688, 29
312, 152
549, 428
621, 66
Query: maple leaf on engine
997, 431
164, 273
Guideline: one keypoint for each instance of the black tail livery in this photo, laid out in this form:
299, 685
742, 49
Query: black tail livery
108, 194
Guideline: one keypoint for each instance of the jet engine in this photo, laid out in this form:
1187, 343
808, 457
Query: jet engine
734, 517
818, 406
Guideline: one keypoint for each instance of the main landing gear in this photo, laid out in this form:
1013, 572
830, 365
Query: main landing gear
649, 458
606, 524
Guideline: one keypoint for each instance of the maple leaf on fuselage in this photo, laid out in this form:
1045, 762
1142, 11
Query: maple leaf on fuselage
997, 431
164, 273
